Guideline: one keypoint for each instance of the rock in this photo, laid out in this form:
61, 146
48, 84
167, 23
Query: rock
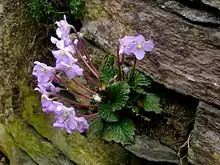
40, 150
173, 127
16, 156
204, 146
186, 56
193, 14
213, 3
151, 150
23, 42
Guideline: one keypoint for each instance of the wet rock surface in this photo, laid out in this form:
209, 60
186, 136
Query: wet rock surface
195, 12
26, 134
151, 150
186, 55
204, 146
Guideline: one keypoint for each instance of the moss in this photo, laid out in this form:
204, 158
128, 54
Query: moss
216, 157
7, 146
29, 141
95, 12
78, 148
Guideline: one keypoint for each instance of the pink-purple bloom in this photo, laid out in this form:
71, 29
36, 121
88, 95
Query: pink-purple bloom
64, 55
71, 70
137, 46
48, 87
46, 103
141, 46
43, 73
126, 45
65, 118
46, 77
63, 29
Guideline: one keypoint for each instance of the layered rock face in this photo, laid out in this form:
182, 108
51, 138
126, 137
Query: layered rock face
186, 57
26, 134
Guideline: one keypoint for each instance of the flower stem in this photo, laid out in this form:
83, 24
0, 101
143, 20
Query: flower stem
75, 103
89, 79
72, 91
88, 116
80, 55
133, 70
85, 51
122, 62
83, 86
118, 63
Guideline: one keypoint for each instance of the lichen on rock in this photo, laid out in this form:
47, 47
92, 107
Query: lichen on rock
31, 133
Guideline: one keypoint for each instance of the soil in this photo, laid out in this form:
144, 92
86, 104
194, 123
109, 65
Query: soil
174, 125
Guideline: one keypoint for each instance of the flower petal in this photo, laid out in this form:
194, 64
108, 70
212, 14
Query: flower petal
148, 46
139, 53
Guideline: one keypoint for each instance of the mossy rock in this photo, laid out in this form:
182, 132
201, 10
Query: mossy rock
27, 133
76, 147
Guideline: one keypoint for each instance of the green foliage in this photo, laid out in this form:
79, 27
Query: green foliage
107, 113
139, 81
76, 7
152, 103
95, 127
108, 71
117, 95
49, 11
121, 132
121, 101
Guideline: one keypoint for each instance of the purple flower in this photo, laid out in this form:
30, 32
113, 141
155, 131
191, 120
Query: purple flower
48, 87
63, 29
71, 70
47, 103
65, 118
60, 44
43, 73
141, 46
82, 124
65, 55
126, 45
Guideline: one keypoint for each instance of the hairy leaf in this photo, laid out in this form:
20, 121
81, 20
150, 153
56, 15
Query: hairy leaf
121, 132
152, 103
95, 127
107, 113
108, 71
117, 95
139, 79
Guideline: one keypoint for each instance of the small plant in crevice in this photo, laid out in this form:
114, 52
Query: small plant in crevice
47, 11
109, 98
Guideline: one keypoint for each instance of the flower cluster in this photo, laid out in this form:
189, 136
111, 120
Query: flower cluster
73, 66
46, 78
130, 45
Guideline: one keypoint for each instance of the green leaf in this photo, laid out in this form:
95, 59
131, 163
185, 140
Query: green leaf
121, 132
107, 113
95, 127
108, 71
152, 103
117, 94
139, 79
139, 90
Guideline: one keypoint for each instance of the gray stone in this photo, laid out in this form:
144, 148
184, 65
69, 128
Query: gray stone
213, 3
204, 141
186, 56
151, 150
21, 43
193, 14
